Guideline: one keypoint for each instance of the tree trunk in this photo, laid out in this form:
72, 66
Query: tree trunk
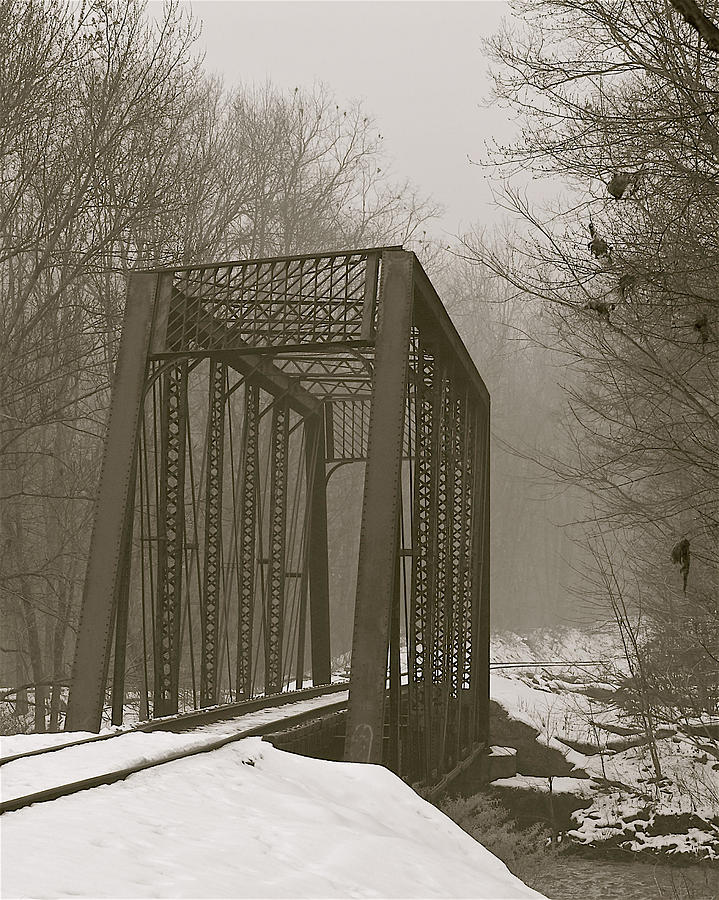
20, 678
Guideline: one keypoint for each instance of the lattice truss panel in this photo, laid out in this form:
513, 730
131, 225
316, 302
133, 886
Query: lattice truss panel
220, 538
442, 547
317, 300
256, 369
322, 308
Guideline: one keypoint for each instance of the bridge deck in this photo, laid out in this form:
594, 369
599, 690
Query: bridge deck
65, 769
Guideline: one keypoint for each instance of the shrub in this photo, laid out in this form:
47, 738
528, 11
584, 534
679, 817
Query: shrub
11, 722
527, 852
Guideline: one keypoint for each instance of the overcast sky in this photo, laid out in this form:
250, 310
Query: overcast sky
418, 66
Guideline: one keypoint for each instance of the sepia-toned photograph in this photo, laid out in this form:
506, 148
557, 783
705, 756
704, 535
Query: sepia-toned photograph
359, 449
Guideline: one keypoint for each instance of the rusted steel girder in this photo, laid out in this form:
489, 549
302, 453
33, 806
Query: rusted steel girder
275, 601
212, 574
317, 551
113, 507
248, 540
264, 373
171, 538
381, 505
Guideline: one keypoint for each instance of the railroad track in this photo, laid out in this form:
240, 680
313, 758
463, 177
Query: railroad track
567, 663
278, 712
249, 718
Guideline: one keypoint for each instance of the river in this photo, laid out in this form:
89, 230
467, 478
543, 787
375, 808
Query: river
579, 878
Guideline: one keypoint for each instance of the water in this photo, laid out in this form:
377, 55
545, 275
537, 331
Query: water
578, 878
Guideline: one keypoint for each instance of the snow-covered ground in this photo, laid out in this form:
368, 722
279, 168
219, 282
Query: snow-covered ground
247, 821
571, 708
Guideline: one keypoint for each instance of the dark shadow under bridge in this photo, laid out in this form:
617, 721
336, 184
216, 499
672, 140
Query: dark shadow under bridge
217, 568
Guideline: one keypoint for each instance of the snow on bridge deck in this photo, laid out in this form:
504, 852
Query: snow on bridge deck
248, 821
124, 750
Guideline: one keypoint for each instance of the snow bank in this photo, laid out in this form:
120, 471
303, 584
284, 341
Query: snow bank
578, 787
631, 823
249, 821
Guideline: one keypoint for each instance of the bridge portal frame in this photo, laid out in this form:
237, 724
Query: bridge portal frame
423, 434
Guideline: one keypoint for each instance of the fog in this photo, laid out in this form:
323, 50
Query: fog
421, 72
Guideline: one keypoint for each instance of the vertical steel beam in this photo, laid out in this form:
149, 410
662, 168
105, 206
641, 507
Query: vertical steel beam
465, 452
317, 560
209, 608
481, 650
274, 619
479, 678
329, 429
424, 517
171, 538
123, 604
394, 760
441, 524
380, 513
435, 512
302, 630
105, 560
446, 592
248, 539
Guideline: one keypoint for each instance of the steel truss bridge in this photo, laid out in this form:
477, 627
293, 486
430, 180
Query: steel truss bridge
240, 388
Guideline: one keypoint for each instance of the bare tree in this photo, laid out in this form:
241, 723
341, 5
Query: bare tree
618, 102
693, 14
94, 101
532, 555
117, 151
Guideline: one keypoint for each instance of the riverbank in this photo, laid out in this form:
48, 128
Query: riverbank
584, 767
568, 871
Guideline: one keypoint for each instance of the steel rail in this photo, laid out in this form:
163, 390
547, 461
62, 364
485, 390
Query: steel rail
274, 726
186, 721
74, 787
561, 662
